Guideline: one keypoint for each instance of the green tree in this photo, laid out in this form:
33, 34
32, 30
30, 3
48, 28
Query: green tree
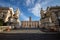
1, 22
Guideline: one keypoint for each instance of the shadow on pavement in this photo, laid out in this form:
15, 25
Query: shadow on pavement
27, 36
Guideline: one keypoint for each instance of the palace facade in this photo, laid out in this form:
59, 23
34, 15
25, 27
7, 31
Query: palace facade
30, 24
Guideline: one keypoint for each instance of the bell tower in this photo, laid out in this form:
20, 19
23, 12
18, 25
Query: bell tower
30, 19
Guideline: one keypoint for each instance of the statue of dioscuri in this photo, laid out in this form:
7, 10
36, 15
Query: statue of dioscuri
17, 14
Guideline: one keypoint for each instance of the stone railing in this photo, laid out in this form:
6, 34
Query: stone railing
2, 28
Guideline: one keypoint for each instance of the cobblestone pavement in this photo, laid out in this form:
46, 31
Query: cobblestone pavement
24, 31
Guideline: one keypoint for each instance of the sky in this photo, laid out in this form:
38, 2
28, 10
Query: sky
29, 8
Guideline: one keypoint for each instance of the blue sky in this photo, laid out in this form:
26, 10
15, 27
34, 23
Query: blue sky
29, 7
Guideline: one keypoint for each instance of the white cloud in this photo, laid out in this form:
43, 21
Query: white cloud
36, 10
29, 2
32, 1
24, 17
46, 2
